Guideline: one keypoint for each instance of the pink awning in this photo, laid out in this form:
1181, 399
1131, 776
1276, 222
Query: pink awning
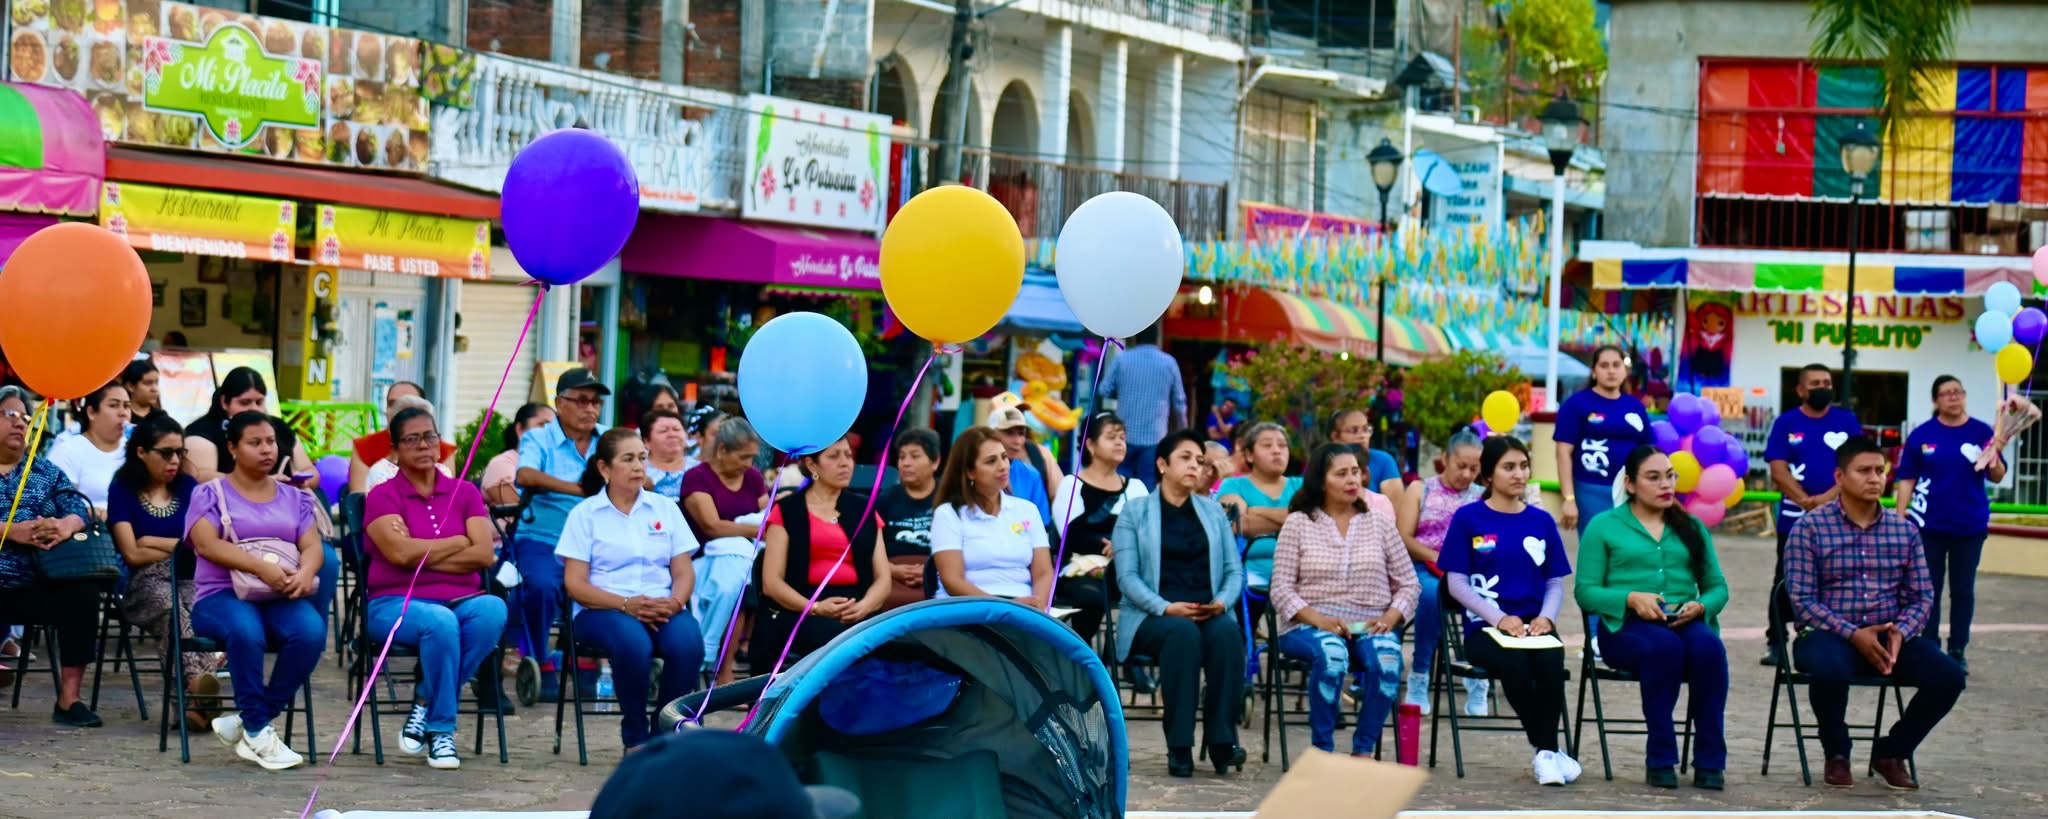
701, 247
52, 155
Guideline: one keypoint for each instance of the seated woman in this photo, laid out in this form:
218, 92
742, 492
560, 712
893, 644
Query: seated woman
906, 510
716, 495
626, 562
1178, 568
807, 545
90, 458
49, 511
1261, 498
1085, 509
1342, 582
499, 485
387, 467
986, 542
1647, 569
1504, 562
432, 535
366, 452
666, 460
146, 504
244, 506
1424, 514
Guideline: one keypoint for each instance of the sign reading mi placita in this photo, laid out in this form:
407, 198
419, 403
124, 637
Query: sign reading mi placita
232, 84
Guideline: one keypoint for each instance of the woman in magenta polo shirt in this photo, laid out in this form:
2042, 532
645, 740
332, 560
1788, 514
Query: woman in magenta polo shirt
424, 516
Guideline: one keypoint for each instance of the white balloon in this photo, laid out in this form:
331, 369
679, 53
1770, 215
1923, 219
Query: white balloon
1119, 261
2003, 297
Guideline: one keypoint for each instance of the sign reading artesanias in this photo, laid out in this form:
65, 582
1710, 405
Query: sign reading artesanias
812, 164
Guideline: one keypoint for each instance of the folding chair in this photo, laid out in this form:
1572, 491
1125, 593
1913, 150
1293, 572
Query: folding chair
31, 662
583, 702
177, 700
1593, 671
370, 643
115, 628
1451, 664
1785, 683
348, 542
1277, 687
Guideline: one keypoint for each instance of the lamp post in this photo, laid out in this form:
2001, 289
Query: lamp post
1386, 165
1561, 135
1859, 158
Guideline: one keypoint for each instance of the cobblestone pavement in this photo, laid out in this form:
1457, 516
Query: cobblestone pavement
1985, 761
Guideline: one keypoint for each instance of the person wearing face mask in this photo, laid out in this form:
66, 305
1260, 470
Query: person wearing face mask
1596, 428
1941, 490
1801, 452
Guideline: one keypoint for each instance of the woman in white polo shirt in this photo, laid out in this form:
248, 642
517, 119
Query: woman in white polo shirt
625, 555
986, 542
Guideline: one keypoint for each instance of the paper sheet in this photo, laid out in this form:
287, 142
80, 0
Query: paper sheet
1545, 641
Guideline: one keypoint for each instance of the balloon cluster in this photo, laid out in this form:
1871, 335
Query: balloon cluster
2009, 331
1709, 462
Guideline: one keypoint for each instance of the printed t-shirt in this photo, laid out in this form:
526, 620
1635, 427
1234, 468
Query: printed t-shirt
1508, 558
1807, 445
1602, 431
906, 522
1948, 492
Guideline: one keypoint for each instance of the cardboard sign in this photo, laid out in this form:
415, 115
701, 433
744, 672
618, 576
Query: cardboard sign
1327, 786
1727, 399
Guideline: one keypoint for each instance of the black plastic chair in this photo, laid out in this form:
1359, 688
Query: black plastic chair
31, 662
1593, 671
1785, 682
348, 543
1451, 664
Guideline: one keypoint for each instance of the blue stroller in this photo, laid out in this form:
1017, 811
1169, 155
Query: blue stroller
946, 708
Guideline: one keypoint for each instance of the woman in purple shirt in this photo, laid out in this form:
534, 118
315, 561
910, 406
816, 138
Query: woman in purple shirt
433, 535
716, 493
257, 506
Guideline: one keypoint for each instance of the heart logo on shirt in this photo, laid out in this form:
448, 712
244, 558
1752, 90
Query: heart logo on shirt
1537, 548
1835, 439
1971, 451
1634, 420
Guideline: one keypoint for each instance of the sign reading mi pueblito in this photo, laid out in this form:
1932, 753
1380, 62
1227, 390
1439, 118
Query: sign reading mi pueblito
815, 165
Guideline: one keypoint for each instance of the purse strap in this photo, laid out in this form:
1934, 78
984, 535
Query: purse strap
227, 521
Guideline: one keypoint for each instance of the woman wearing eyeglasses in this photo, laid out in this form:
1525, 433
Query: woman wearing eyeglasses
387, 467
146, 513
1941, 490
48, 511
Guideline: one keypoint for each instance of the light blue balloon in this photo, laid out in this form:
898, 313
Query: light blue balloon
2004, 298
802, 382
1994, 330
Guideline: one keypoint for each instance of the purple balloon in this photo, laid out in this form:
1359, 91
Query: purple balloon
1736, 456
1665, 437
1710, 444
570, 201
2029, 326
1685, 413
1710, 414
333, 471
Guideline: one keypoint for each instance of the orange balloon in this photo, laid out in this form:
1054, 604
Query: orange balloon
74, 308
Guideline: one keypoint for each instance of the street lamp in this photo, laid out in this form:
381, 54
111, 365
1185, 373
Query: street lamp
1561, 135
1386, 165
1859, 158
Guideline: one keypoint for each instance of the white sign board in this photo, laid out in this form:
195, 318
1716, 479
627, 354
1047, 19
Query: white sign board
812, 164
1479, 174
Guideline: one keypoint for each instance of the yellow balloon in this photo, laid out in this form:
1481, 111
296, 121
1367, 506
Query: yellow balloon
1501, 412
2015, 364
1734, 498
1688, 469
952, 263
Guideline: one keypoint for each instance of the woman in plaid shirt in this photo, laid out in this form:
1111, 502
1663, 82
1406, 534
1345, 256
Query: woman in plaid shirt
1342, 581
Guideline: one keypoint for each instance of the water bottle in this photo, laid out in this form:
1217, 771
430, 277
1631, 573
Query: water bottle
604, 690
1408, 732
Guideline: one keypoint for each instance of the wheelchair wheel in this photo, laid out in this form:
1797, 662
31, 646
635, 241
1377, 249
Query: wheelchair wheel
527, 683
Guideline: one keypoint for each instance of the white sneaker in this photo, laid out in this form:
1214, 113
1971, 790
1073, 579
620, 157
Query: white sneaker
413, 739
441, 753
228, 729
265, 749
1418, 692
1569, 766
1547, 768
1478, 702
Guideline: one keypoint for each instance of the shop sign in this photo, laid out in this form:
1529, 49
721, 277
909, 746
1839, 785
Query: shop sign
816, 165
384, 241
174, 220
233, 85
1832, 333
849, 268
1265, 223
1831, 306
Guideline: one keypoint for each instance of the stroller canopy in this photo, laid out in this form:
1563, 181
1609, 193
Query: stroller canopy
955, 707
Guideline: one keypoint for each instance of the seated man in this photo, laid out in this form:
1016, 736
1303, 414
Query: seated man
1857, 576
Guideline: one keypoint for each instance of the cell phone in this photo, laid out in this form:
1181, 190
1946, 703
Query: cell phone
463, 599
1669, 610
303, 478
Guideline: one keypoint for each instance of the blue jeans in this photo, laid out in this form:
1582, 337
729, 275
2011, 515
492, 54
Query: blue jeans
1329, 659
633, 646
1140, 465
451, 643
721, 579
247, 630
540, 591
1665, 658
1592, 500
330, 581
1832, 662
1428, 625
1953, 558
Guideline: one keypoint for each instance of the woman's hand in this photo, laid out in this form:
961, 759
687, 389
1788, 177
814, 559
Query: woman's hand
1188, 610
1512, 626
1570, 517
1541, 626
273, 576
907, 575
300, 584
1032, 602
1323, 622
1386, 623
1689, 612
1646, 607
830, 607
858, 610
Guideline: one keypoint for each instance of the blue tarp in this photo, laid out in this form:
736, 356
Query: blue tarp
1040, 308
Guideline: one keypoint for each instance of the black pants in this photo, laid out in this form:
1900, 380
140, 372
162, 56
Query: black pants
1781, 616
1187, 651
1090, 595
1832, 662
772, 625
1532, 680
71, 608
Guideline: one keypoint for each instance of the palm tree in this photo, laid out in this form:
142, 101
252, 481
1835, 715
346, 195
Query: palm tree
1904, 37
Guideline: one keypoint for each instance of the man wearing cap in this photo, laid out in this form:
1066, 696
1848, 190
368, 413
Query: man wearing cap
551, 461
1026, 481
730, 775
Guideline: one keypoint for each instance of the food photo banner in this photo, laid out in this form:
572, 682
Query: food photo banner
185, 76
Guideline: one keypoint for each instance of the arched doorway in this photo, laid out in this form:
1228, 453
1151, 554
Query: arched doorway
896, 90
1080, 130
1015, 130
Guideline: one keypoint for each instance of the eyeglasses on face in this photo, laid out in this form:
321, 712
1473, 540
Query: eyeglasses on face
169, 453
581, 400
421, 439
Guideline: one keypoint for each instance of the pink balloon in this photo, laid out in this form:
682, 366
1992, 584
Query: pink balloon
2041, 265
1685, 444
1716, 483
1709, 512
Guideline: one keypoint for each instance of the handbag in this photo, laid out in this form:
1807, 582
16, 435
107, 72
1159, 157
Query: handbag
285, 554
87, 555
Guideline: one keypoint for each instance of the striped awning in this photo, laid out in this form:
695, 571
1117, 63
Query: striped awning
1327, 324
1260, 315
1748, 276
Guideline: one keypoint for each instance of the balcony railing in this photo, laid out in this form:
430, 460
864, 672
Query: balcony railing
1222, 19
1042, 194
1808, 224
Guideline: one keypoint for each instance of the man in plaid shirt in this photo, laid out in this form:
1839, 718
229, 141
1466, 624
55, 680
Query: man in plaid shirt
1857, 576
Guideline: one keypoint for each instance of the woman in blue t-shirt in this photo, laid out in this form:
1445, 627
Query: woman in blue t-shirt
1941, 490
1596, 429
1504, 561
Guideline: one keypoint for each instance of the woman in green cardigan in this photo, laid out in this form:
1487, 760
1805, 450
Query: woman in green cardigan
1647, 572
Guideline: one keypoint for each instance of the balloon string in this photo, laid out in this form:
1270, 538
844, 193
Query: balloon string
732, 620
880, 468
377, 668
1074, 492
35, 438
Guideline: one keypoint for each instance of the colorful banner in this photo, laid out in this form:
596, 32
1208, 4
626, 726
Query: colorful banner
813, 164
1709, 348
1804, 277
199, 222
1266, 223
188, 76
385, 241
